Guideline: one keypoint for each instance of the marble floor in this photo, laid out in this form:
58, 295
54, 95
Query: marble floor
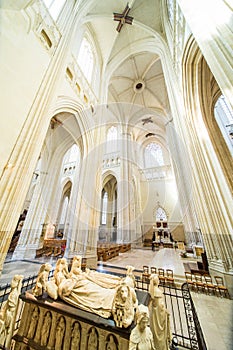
215, 314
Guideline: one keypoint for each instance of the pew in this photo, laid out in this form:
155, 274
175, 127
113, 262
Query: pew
52, 247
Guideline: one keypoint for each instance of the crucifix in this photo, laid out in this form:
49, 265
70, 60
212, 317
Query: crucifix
123, 18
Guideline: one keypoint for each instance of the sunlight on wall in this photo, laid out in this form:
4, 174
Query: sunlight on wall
211, 18
54, 7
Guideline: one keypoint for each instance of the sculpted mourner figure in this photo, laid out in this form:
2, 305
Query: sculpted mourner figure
159, 316
96, 292
141, 337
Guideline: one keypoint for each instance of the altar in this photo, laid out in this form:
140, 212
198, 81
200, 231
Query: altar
53, 324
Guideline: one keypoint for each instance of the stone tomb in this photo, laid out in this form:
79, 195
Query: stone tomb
49, 324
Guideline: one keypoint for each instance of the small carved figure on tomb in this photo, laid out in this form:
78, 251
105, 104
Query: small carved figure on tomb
60, 331
92, 343
33, 323
141, 337
42, 280
8, 312
154, 290
45, 328
124, 305
111, 343
159, 316
76, 266
61, 271
130, 279
75, 337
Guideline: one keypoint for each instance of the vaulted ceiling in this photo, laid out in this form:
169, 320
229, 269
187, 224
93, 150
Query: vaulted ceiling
131, 62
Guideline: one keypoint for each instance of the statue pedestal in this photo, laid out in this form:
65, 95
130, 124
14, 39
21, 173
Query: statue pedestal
39, 311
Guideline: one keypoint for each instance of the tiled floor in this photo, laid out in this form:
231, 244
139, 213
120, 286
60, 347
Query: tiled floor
215, 314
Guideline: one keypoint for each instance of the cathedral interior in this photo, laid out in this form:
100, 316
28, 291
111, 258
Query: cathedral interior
117, 140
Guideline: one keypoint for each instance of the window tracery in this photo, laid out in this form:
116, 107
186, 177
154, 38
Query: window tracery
54, 7
153, 155
86, 59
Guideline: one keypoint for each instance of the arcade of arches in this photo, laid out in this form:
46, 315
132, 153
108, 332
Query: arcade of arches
102, 130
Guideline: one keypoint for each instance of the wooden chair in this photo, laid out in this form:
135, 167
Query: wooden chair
170, 277
199, 281
161, 274
209, 285
153, 270
190, 280
220, 287
145, 274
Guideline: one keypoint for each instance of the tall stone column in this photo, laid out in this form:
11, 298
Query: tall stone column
82, 237
41, 210
15, 178
125, 190
211, 25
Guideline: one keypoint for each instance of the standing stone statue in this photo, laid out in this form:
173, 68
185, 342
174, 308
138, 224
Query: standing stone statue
92, 340
33, 323
75, 337
111, 344
60, 331
46, 328
159, 316
141, 337
9, 310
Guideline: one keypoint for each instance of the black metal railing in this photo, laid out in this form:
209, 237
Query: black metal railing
200, 335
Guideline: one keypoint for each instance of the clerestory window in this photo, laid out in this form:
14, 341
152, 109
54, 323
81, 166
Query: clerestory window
54, 7
104, 209
86, 59
153, 155
224, 117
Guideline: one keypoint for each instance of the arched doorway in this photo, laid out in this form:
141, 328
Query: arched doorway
108, 217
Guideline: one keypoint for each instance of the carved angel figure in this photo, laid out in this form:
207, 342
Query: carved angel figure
42, 280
